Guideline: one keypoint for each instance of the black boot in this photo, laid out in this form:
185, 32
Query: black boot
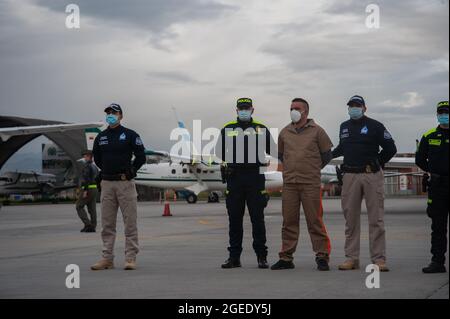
322, 264
262, 262
434, 268
282, 265
90, 229
84, 229
232, 263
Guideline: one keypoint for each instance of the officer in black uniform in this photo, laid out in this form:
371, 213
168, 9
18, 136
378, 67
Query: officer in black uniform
113, 151
360, 141
245, 143
432, 157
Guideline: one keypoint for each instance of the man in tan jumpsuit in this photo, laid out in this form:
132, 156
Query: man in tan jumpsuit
304, 149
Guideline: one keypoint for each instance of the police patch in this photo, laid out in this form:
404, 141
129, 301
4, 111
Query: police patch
122, 137
139, 141
365, 130
387, 135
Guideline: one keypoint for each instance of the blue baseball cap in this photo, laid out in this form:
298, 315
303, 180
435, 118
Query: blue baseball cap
114, 107
357, 99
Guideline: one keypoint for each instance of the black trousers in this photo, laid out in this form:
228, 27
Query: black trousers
438, 211
246, 188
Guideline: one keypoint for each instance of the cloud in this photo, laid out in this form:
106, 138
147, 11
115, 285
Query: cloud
201, 55
154, 15
172, 77
411, 100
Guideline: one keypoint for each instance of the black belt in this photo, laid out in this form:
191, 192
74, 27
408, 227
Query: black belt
117, 177
367, 169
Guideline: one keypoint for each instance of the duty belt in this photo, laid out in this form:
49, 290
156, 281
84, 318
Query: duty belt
368, 169
116, 177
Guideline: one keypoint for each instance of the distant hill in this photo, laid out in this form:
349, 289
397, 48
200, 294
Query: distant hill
23, 162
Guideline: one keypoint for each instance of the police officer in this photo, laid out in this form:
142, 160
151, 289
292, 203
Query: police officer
245, 143
360, 140
88, 194
432, 157
113, 151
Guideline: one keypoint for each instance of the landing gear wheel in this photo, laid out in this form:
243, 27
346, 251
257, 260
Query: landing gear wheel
213, 198
192, 199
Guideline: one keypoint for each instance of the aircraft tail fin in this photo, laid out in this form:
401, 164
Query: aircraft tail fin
91, 134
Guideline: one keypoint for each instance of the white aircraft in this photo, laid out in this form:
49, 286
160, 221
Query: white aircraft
195, 178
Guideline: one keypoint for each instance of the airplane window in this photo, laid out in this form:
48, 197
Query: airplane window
184, 171
199, 171
205, 172
174, 171
190, 171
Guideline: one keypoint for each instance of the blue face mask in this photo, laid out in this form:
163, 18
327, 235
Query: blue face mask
355, 113
245, 115
112, 119
443, 119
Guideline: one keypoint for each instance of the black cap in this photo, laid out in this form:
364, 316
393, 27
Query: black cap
442, 105
244, 102
114, 107
86, 152
357, 99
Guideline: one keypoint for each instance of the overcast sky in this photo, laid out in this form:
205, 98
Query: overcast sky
200, 56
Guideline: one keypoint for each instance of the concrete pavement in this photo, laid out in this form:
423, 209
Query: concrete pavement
181, 255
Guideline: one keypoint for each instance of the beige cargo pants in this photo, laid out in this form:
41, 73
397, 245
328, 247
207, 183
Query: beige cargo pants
123, 195
355, 188
308, 196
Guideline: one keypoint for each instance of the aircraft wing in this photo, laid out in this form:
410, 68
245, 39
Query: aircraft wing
396, 162
190, 161
8, 132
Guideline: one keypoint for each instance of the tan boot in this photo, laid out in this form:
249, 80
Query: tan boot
130, 265
382, 266
103, 265
349, 265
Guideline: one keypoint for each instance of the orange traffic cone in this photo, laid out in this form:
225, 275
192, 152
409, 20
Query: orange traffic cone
167, 210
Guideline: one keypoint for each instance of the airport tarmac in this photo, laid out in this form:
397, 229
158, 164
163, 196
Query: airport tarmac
181, 255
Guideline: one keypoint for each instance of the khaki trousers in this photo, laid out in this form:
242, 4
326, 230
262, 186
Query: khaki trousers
123, 195
308, 196
371, 187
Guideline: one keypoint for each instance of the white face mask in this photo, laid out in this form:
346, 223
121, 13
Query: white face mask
296, 116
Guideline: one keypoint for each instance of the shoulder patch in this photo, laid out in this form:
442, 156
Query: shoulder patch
387, 135
139, 141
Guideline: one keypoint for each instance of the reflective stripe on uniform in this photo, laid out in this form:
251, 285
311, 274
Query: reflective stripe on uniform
92, 186
430, 132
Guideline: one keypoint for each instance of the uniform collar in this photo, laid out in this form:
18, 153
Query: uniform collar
116, 129
245, 123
